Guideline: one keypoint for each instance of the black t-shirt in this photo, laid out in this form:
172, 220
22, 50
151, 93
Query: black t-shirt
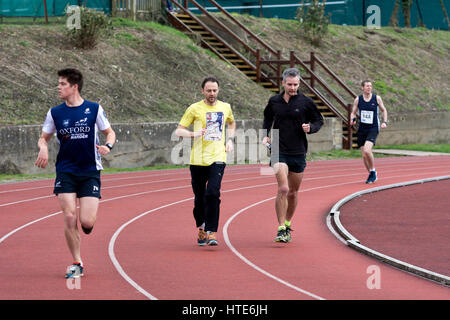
288, 119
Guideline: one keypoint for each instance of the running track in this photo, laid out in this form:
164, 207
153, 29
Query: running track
144, 242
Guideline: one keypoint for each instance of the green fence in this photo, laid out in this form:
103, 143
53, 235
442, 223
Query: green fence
346, 12
36, 8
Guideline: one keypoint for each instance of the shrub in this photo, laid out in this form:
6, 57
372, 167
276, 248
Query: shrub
90, 25
313, 22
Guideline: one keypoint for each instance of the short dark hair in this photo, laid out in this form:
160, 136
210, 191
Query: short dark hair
363, 83
73, 76
209, 79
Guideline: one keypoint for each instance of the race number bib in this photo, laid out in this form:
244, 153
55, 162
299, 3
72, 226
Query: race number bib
214, 126
367, 117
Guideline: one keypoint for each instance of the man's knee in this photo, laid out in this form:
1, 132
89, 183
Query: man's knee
87, 224
283, 190
366, 151
212, 193
292, 194
70, 219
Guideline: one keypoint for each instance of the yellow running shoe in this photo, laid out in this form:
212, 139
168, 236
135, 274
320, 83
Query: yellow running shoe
211, 239
201, 239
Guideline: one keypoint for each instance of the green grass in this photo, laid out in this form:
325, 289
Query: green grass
41, 176
419, 147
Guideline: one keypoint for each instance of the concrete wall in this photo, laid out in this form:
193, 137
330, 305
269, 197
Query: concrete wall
149, 144
420, 128
155, 143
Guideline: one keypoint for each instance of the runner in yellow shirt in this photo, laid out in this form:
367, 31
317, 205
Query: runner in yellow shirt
208, 156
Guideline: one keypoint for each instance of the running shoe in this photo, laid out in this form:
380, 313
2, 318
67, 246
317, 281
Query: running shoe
201, 239
288, 237
211, 239
372, 177
74, 271
281, 235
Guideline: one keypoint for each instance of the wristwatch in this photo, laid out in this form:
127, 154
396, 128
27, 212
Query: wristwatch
109, 145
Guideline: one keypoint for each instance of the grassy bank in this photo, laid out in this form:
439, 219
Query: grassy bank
147, 72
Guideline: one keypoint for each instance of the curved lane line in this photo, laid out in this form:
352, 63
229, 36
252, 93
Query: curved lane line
343, 235
112, 255
254, 266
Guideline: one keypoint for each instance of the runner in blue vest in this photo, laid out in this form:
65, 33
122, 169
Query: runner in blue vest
368, 106
76, 123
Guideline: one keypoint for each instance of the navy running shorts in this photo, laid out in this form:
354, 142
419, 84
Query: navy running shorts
364, 136
295, 163
83, 184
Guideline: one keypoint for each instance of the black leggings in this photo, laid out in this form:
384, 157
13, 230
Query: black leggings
206, 182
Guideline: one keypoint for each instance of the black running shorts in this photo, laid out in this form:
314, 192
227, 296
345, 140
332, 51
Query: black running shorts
366, 136
295, 163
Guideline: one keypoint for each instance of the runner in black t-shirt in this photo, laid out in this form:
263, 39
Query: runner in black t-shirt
292, 115
368, 105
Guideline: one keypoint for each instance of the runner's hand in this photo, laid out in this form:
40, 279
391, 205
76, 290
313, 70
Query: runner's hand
306, 127
42, 159
229, 146
200, 133
103, 150
266, 141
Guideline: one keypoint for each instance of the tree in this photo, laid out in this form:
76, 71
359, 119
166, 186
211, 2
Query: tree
313, 22
406, 9
394, 21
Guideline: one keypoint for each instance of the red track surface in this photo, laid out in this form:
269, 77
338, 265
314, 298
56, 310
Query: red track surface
144, 242
384, 222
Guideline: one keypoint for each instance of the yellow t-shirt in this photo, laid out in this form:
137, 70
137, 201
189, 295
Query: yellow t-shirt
211, 147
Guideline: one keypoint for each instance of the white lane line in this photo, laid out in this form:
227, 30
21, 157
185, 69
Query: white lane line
354, 243
120, 229
226, 181
112, 254
254, 266
135, 285
232, 170
26, 225
134, 184
107, 177
251, 264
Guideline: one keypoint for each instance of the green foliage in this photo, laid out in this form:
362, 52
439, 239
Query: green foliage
313, 21
92, 24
